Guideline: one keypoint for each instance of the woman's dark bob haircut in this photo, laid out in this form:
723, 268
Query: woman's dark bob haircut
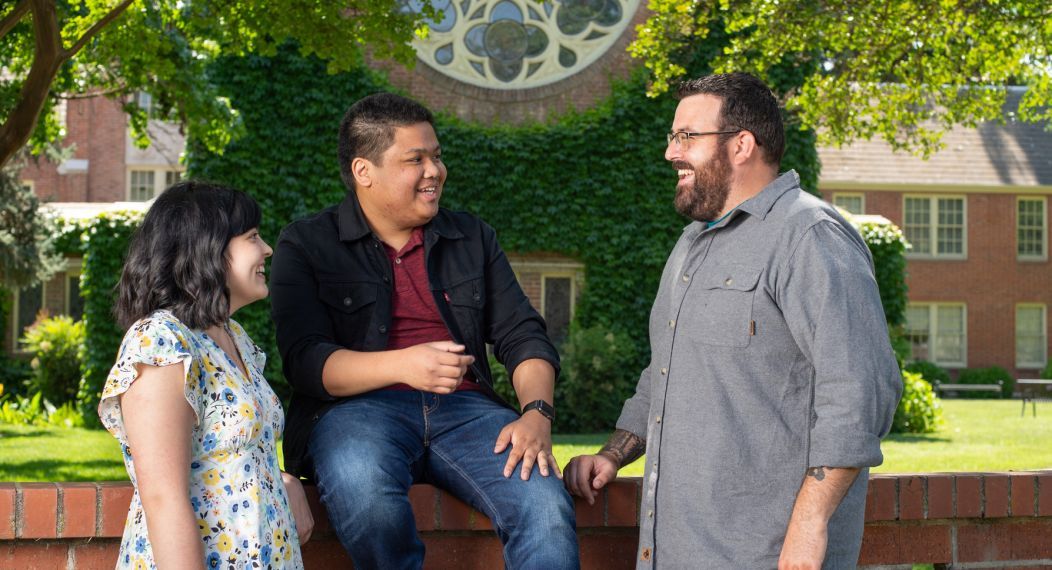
177, 257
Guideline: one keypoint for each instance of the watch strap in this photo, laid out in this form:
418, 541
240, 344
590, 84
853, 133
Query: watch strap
541, 406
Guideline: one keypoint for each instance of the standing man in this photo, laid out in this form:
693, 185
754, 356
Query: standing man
384, 305
771, 379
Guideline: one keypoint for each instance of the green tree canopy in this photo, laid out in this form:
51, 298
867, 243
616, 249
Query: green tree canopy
50, 49
903, 70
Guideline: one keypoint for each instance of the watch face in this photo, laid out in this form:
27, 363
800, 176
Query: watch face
518, 44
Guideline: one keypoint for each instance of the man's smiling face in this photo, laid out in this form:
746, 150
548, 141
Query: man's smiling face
701, 163
407, 182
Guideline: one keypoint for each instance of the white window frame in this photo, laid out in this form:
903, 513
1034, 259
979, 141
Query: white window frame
1044, 336
159, 179
933, 328
1044, 228
860, 195
933, 200
29, 184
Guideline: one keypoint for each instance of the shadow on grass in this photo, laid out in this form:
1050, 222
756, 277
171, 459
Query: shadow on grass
24, 432
58, 470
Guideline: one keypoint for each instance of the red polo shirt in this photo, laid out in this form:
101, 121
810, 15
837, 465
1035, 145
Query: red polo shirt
414, 316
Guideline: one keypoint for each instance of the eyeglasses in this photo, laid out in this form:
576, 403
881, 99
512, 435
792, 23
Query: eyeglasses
683, 136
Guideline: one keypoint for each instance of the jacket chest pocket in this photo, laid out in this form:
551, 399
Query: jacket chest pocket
719, 304
467, 300
351, 307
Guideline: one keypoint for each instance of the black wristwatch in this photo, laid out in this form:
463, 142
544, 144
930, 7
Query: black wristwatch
541, 406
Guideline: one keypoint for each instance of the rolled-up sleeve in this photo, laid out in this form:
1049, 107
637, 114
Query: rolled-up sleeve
636, 412
304, 329
830, 300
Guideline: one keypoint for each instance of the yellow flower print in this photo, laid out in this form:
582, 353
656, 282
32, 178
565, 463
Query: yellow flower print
220, 456
202, 527
224, 544
146, 341
279, 539
140, 563
211, 477
209, 366
247, 411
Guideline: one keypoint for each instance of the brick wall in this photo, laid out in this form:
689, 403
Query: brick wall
991, 281
961, 521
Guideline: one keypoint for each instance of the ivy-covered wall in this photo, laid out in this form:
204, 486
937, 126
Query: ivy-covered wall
593, 185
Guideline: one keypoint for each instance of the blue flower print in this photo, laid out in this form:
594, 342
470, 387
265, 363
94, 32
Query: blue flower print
233, 508
228, 489
210, 442
194, 465
271, 513
264, 554
195, 503
213, 560
140, 544
229, 396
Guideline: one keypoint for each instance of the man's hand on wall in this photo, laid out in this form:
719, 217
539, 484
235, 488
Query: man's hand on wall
530, 438
586, 474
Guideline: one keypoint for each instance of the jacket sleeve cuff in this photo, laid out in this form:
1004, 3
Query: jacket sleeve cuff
843, 447
314, 359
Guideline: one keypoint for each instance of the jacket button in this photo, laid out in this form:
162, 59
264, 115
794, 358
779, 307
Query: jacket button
387, 279
383, 328
477, 296
315, 418
346, 301
646, 555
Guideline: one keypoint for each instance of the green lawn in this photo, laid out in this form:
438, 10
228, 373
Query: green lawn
979, 435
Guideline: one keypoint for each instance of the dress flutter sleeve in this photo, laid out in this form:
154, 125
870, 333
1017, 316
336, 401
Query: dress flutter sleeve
157, 340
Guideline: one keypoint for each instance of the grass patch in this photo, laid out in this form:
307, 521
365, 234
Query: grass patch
979, 435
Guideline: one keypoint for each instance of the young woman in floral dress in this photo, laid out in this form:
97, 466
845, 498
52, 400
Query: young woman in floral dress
196, 420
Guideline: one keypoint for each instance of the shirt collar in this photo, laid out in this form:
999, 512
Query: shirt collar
352, 224
759, 205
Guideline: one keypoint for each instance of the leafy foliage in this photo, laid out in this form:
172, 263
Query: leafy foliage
55, 343
1047, 372
888, 247
919, 410
37, 411
27, 253
990, 375
599, 374
105, 244
930, 371
902, 70
50, 49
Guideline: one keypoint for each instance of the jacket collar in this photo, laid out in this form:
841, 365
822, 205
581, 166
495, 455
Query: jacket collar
353, 226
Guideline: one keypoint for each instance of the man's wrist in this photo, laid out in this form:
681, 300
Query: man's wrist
541, 407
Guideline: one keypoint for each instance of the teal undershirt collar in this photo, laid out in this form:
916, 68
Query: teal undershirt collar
723, 217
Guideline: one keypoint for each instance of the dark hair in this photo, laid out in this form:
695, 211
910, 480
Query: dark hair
367, 130
747, 104
177, 257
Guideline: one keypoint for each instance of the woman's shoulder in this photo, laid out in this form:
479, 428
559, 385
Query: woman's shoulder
159, 328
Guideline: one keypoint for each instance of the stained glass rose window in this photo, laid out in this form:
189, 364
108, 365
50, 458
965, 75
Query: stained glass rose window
516, 44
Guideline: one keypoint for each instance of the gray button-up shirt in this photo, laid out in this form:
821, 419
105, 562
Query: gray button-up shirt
770, 354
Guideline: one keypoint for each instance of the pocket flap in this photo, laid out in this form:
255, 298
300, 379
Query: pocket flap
731, 277
347, 297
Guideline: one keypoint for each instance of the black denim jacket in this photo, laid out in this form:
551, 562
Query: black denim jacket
331, 288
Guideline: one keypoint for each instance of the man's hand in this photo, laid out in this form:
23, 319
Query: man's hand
804, 547
300, 508
586, 474
530, 437
437, 367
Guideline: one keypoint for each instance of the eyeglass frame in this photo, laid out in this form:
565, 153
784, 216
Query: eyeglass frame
687, 135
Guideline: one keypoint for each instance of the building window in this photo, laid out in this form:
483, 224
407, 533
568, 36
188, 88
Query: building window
937, 333
1031, 336
557, 305
145, 184
27, 305
141, 188
1031, 229
518, 44
27, 185
853, 203
935, 226
74, 303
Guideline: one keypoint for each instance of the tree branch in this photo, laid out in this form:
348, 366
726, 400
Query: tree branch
112, 15
13, 17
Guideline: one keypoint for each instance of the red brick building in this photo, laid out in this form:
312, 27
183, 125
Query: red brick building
977, 212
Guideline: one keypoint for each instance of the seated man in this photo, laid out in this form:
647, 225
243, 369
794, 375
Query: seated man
384, 305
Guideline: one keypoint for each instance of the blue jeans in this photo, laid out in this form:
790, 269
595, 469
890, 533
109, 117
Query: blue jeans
368, 450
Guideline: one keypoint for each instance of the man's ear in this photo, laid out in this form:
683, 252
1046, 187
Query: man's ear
362, 170
744, 148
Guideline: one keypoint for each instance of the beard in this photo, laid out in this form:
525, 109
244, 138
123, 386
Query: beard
704, 200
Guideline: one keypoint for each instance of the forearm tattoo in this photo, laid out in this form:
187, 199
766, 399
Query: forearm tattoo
624, 447
817, 472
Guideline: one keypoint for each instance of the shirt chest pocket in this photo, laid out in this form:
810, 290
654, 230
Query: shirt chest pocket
351, 307
720, 305
467, 299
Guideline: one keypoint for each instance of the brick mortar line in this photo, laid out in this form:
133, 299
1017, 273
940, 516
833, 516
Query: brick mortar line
98, 510
19, 507
925, 500
898, 499
1009, 485
60, 509
1001, 564
953, 543
982, 497
1037, 495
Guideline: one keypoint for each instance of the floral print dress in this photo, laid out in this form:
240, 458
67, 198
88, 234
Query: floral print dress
235, 490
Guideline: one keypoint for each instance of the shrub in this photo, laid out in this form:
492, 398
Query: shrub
919, 409
1047, 372
599, 373
37, 411
929, 371
991, 375
55, 343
